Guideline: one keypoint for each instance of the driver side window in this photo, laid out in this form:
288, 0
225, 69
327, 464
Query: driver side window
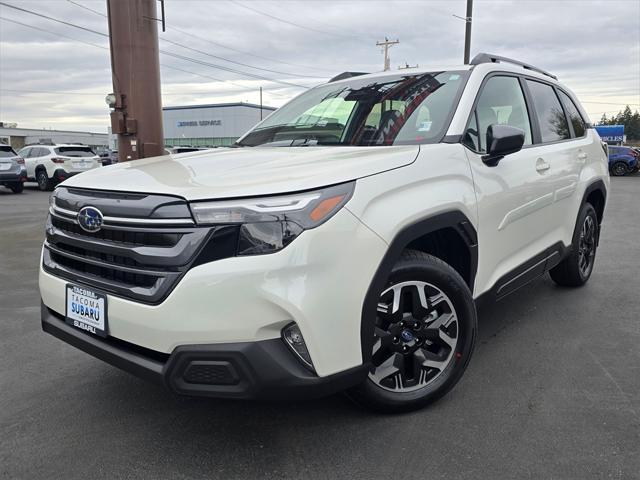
501, 102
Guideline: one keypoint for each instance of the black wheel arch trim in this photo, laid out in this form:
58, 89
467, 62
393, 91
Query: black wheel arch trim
451, 219
597, 185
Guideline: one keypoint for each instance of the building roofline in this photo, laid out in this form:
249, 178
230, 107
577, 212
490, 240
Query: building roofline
219, 105
52, 131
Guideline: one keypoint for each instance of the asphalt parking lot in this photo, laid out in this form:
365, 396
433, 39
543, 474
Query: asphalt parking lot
553, 391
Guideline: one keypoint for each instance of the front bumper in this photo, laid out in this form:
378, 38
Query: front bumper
247, 370
318, 281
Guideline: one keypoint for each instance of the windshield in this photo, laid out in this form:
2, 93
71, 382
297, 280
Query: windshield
396, 110
75, 151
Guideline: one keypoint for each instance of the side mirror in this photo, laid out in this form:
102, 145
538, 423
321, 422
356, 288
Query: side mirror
502, 140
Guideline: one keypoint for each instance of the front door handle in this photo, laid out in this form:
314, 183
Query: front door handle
542, 166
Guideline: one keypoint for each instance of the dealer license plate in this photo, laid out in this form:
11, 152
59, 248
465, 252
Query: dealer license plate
87, 310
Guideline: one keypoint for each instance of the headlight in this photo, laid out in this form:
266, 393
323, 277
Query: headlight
268, 224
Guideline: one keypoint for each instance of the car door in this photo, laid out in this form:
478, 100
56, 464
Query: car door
514, 196
560, 157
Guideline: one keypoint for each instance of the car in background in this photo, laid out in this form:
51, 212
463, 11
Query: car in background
13, 173
623, 160
49, 165
108, 157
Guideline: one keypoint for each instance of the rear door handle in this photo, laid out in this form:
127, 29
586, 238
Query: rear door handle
582, 157
542, 166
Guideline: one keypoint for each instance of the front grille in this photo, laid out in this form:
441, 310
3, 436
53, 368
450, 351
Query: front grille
89, 271
128, 237
139, 259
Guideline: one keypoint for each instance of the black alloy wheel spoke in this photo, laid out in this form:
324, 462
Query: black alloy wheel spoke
415, 336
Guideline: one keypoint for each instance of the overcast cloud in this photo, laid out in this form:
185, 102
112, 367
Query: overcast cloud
593, 47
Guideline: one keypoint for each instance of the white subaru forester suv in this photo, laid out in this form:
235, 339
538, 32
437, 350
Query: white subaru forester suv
341, 245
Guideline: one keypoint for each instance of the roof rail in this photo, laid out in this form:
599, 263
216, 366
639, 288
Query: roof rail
344, 75
489, 58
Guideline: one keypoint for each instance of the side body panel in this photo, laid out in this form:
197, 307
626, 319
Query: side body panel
439, 181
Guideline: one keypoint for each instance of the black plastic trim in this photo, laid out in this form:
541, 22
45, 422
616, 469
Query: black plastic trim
264, 369
453, 219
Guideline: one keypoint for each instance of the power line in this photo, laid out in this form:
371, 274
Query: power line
87, 8
53, 33
233, 61
228, 69
171, 54
54, 19
184, 32
613, 103
260, 12
243, 52
162, 65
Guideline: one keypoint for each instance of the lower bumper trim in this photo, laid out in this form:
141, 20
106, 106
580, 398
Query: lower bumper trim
246, 370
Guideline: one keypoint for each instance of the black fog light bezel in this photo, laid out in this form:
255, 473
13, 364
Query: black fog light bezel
298, 348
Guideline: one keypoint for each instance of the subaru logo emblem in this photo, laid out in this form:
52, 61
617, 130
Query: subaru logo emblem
406, 335
90, 219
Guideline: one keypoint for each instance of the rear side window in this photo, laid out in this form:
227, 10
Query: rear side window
579, 126
7, 152
25, 152
553, 123
501, 102
75, 151
42, 152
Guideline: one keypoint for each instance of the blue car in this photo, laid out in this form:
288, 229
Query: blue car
623, 160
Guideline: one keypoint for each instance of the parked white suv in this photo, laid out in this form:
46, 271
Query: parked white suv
342, 245
51, 164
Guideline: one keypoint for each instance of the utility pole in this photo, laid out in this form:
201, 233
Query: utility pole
135, 65
386, 45
467, 32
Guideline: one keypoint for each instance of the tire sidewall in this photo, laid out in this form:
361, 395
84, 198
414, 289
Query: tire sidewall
586, 210
623, 168
446, 279
43, 180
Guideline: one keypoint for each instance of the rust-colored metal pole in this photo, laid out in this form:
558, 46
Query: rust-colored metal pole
135, 66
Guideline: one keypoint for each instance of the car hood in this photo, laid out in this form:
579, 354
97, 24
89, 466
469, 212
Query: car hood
247, 171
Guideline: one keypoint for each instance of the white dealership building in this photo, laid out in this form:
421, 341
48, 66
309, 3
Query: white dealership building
211, 125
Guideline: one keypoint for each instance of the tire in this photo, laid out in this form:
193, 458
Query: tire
17, 187
619, 169
45, 184
576, 268
423, 343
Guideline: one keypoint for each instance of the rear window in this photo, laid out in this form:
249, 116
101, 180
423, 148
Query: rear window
7, 152
75, 151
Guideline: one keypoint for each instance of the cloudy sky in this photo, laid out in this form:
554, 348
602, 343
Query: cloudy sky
56, 76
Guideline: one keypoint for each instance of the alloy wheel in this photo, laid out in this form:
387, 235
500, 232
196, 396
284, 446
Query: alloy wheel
587, 246
42, 181
619, 169
416, 335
